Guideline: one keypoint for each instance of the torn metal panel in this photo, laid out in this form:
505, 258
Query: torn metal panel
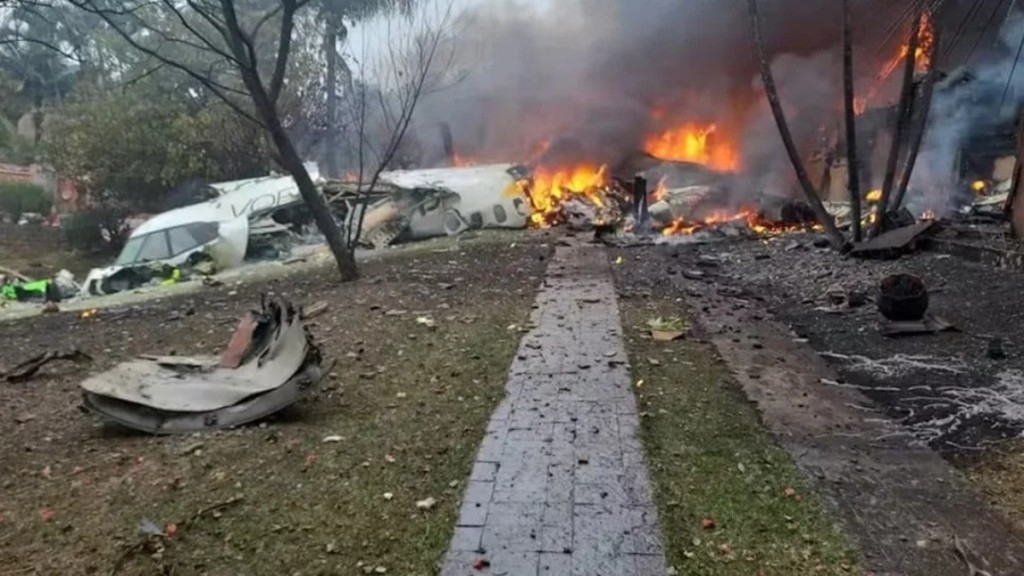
464, 198
270, 362
254, 408
894, 241
191, 385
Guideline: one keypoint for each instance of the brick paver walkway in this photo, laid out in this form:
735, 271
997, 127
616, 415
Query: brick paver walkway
559, 486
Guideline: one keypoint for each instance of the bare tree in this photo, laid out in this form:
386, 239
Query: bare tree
922, 108
852, 162
232, 44
416, 60
903, 118
834, 235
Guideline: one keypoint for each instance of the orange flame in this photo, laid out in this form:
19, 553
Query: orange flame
459, 161
922, 61
661, 192
550, 187
753, 219
689, 143
979, 186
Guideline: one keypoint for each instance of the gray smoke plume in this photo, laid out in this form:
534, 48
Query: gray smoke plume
974, 100
589, 80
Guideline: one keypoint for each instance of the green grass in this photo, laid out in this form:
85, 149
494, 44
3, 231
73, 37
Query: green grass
710, 458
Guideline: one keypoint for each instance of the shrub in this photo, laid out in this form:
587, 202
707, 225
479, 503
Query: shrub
17, 198
99, 230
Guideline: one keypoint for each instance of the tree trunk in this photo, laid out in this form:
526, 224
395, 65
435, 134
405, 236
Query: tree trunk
923, 108
321, 212
344, 255
331, 56
852, 163
903, 113
834, 235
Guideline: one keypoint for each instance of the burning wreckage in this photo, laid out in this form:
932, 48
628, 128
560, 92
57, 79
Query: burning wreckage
264, 218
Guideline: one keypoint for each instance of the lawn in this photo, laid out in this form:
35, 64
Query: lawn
731, 502
330, 486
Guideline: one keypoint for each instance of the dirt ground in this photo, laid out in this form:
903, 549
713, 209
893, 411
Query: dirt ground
410, 404
943, 391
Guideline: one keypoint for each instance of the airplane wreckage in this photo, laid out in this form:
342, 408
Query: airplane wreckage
265, 217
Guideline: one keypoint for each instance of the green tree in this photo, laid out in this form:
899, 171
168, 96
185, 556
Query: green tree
333, 15
115, 145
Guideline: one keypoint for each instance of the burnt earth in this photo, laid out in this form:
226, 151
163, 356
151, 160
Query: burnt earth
813, 384
954, 391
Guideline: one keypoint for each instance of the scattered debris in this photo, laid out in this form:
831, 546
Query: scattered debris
927, 325
153, 536
667, 329
315, 310
969, 558
174, 395
29, 367
426, 504
893, 243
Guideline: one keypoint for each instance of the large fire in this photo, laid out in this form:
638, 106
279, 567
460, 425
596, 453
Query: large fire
550, 187
751, 217
690, 142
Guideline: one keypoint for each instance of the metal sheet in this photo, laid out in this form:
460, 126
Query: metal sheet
174, 387
154, 421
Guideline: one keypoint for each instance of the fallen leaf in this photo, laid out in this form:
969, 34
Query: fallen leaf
389, 459
639, 383
618, 260
330, 439
170, 530
310, 458
47, 472
388, 496
708, 523
426, 321
426, 504
46, 515
401, 395
380, 570
654, 362
789, 492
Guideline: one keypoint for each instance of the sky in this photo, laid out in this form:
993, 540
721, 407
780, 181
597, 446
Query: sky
372, 34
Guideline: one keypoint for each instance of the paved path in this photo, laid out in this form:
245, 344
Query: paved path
559, 486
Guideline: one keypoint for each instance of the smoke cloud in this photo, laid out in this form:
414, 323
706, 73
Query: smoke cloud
983, 98
589, 80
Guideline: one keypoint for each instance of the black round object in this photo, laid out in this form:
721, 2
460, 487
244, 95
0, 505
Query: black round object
903, 298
